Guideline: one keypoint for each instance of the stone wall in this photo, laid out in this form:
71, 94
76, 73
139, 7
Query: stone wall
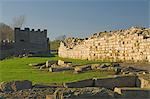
26, 41
31, 41
120, 81
133, 93
80, 84
110, 82
123, 45
6, 49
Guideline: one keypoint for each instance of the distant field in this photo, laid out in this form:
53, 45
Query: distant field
18, 69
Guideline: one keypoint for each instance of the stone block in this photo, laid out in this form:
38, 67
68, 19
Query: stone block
59, 69
60, 62
49, 63
48, 86
15, 85
36, 64
42, 67
119, 81
129, 92
80, 84
64, 63
95, 66
50, 97
20, 85
83, 93
79, 69
144, 82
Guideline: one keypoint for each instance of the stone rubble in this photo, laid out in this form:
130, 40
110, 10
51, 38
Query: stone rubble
79, 93
60, 65
79, 69
21, 89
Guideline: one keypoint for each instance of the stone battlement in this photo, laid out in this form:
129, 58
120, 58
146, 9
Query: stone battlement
131, 44
26, 41
32, 30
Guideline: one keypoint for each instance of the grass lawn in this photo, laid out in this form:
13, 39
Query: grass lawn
18, 69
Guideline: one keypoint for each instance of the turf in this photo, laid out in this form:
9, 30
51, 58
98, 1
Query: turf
18, 69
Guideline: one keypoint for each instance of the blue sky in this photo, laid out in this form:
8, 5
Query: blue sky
79, 18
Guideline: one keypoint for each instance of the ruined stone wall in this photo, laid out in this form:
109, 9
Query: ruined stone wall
123, 45
109, 82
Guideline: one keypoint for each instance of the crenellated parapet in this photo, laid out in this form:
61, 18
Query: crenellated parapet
31, 30
26, 41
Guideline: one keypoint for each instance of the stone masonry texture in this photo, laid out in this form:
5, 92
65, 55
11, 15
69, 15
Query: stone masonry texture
26, 41
131, 44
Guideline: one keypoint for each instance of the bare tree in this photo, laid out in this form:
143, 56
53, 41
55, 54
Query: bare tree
18, 21
6, 32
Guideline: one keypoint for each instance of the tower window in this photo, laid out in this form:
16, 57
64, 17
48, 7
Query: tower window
22, 40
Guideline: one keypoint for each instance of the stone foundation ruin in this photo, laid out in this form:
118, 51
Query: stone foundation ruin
119, 85
60, 66
126, 87
123, 45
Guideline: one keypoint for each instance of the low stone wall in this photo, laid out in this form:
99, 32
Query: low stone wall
59, 69
133, 92
124, 87
125, 81
120, 81
80, 84
15, 85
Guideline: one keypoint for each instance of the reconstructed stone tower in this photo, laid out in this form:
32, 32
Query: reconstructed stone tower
26, 42
30, 41
123, 45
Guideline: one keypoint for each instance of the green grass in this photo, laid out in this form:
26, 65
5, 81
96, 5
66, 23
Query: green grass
18, 69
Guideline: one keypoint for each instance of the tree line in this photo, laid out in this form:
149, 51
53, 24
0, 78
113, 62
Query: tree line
7, 31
